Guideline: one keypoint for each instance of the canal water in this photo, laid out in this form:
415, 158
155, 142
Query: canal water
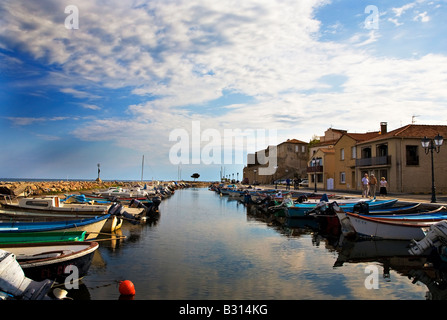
208, 247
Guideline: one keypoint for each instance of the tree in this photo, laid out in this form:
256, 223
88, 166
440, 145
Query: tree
195, 176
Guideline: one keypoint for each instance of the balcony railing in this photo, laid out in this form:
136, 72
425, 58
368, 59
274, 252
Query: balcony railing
375, 161
312, 169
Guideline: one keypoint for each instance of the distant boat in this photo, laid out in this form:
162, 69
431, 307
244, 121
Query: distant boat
92, 226
50, 260
118, 192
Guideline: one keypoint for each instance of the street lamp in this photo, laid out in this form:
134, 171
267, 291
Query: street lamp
314, 160
430, 145
274, 177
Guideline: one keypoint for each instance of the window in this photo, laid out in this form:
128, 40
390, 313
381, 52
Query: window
342, 154
342, 177
303, 149
353, 153
37, 203
412, 156
296, 148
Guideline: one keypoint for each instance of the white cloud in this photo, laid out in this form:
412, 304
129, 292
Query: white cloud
401, 10
423, 17
183, 55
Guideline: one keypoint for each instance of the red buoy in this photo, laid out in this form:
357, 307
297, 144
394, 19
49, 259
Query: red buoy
127, 288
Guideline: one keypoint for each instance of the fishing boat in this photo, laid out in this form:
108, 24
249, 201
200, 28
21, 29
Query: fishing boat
14, 285
35, 237
54, 260
126, 193
304, 209
92, 226
427, 216
395, 210
53, 204
397, 229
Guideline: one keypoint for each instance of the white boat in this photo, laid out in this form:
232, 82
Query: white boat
15, 285
54, 260
387, 229
119, 192
54, 204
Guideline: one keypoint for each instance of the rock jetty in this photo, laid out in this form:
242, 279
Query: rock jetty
20, 188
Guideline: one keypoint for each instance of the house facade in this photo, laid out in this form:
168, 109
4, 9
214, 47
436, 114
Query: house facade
291, 162
320, 168
345, 156
399, 157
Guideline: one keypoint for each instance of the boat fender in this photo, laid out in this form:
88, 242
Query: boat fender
126, 288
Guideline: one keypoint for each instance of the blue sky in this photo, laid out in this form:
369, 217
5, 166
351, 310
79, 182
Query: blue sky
133, 72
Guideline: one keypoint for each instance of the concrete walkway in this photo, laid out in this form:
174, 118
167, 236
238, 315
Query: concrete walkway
441, 199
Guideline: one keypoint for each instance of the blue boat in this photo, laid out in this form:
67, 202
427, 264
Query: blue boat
92, 226
437, 214
304, 209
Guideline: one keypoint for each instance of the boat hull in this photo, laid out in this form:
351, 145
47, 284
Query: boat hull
91, 226
392, 230
303, 210
73, 262
36, 237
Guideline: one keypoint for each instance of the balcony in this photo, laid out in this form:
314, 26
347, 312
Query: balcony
374, 161
312, 169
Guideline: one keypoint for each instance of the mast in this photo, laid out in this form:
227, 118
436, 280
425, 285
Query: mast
142, 169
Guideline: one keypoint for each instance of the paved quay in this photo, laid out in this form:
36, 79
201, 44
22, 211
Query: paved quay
441, 199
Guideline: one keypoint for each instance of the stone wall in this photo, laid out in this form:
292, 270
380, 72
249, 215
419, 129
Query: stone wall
18, 188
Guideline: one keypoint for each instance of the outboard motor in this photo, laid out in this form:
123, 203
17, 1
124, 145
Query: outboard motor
115, 209
361, 207
436, 236
134, 203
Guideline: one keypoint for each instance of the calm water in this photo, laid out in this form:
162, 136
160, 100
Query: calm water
207, 247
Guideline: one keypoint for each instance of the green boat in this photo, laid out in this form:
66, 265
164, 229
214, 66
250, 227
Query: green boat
36, 237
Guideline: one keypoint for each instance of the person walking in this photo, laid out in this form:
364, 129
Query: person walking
383, 186
365, 186
372, 186
288, 184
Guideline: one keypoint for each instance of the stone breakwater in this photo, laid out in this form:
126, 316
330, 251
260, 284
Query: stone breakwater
18, 188
36, 188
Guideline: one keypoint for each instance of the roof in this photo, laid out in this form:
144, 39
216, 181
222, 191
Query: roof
415, 131
296, 141
363, 136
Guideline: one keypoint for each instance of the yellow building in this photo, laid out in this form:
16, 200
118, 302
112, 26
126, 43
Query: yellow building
345, 151
321, 169
399, 157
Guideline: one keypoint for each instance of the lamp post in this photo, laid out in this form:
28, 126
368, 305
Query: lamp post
274, 177
314, 160
430, 145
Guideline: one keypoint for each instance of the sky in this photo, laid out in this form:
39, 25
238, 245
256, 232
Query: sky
195, 85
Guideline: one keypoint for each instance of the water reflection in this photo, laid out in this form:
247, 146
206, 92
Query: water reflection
205, 246
429, 270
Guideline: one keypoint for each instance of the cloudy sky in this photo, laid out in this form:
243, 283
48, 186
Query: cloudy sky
89, 81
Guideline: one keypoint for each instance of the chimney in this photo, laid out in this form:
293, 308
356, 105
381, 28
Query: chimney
383, 127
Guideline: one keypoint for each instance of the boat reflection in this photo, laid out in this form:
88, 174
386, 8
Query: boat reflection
429, 269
